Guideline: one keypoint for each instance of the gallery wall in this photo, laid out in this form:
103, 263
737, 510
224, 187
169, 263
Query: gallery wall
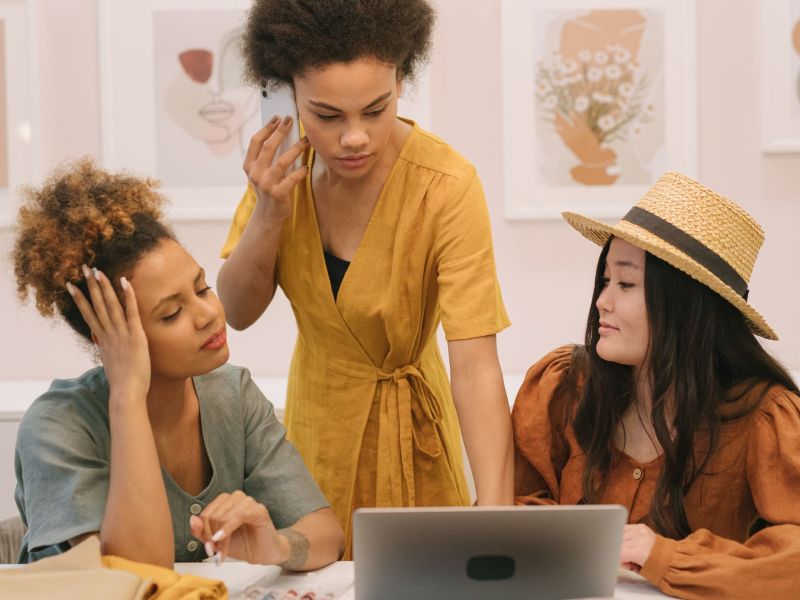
544, 267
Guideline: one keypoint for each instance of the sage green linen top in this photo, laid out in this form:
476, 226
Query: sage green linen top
63, 456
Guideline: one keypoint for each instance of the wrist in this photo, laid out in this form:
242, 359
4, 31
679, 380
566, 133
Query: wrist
126, 399
284, 549
267, 218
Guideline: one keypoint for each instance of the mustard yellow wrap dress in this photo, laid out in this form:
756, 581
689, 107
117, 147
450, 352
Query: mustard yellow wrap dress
368, 404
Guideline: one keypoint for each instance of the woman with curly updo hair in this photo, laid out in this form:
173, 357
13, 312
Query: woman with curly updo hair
165, 452
379, 236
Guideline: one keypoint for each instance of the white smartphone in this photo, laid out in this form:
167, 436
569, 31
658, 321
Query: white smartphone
281, 103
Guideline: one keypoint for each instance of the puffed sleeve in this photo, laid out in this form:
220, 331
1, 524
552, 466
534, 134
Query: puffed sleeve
240, 218
704, 565
536, 467
469, 293
62, 470
275, 474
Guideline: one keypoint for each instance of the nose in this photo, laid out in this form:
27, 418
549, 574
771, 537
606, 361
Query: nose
355, 137
604, 301
205, 314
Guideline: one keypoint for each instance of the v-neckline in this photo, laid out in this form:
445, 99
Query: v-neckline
212, 479
320, 254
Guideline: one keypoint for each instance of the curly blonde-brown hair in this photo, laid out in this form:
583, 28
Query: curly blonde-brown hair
83, 215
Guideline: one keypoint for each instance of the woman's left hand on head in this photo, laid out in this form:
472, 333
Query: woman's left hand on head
236, 525
637, 544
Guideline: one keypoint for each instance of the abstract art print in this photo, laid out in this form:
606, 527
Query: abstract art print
204, 113
174, 105
17, 132
593, 112
3, 116
600, 96
780, 62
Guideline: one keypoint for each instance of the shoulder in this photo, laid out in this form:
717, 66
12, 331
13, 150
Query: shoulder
70, 402
777, 407
541, 382
428, 151
227, 379
550, 370
230, 388
71, 413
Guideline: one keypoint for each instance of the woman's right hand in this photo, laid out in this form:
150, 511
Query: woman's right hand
117, 331
272, 184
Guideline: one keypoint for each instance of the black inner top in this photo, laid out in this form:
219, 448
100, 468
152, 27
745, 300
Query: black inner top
336, 270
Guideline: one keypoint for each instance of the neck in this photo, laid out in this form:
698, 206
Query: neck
168, 400
644, 390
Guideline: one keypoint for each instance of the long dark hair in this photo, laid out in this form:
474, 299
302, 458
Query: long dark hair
700, 348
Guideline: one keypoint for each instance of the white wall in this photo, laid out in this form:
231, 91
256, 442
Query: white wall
545, 268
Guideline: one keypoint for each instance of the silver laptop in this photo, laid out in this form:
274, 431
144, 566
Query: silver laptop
542, 552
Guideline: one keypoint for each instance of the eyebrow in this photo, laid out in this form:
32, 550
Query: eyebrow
626, 263
327, 106
177, 295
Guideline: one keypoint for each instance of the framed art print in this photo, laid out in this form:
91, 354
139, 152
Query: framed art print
780, 60
175, 106
599, 100
16, 102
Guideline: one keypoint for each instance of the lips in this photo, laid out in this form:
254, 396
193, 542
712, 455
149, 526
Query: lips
216, 341
216, 111
606, 328
353, 162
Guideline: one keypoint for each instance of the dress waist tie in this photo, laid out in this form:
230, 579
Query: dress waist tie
410, 416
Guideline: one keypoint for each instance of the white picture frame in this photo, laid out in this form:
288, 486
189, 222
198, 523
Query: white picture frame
17, 130
130, 115
135, 131
589, 162
780, 61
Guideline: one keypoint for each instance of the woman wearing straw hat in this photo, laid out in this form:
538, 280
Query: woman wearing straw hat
672, 408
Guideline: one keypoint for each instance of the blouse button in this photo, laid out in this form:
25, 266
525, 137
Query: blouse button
195, 509
637, 473
191, 546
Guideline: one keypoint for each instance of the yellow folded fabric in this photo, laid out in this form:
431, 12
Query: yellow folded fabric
83, 573
169, 584
74, 575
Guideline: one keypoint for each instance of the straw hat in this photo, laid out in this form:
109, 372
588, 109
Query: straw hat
703, 234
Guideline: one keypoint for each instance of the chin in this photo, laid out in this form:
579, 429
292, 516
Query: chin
213, 362
609, 354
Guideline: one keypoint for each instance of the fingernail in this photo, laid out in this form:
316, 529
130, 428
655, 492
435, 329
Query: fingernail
286, 120
96, 273
218, 536
70, 289
273, 120
86, 273
209, 549
123, 282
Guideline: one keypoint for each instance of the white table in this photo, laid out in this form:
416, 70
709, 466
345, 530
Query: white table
238, 576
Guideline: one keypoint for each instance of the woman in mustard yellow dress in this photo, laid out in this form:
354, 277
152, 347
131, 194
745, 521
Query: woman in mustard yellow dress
382, 234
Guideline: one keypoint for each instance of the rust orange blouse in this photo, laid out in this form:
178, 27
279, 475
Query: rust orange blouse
754, 473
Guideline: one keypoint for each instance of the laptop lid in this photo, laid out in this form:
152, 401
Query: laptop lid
542, 552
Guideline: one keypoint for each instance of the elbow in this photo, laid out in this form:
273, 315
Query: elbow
236, 323
339, 542
160, 557
334, 540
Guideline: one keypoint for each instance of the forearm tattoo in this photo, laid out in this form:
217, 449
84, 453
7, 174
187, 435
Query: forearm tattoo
298, 549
